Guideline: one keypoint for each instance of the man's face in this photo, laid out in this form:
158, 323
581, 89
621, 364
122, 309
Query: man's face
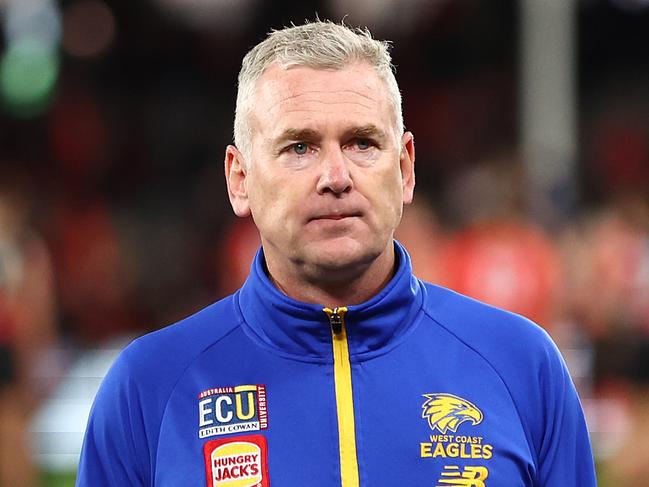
327, 175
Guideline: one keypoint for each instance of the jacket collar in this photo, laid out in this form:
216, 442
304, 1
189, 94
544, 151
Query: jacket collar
301, 330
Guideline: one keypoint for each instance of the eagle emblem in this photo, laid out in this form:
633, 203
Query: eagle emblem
446, 412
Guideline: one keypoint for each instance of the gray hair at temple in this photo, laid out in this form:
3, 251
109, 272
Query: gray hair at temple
319, 45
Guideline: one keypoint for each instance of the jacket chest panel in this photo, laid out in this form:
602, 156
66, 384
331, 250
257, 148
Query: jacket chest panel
417, 422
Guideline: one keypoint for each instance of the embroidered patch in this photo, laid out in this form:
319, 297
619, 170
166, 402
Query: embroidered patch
237, 462
224, 410
467, 477
446, 413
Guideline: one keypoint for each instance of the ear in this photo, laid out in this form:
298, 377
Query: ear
235, 178
407, 163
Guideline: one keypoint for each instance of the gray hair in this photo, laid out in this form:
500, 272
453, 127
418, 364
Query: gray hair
320, 45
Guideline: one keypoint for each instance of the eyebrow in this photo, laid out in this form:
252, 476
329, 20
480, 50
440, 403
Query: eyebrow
310, 135
369, 131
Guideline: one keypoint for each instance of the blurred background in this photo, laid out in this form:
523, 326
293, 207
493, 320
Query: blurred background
531, 122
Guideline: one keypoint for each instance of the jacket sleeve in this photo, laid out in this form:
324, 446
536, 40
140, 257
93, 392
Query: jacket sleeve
115, 451
564, 454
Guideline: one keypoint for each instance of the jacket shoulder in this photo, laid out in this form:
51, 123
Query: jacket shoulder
180, 343
135, 392
488, 330
532, 369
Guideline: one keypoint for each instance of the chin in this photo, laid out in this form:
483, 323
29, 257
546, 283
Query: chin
342, 254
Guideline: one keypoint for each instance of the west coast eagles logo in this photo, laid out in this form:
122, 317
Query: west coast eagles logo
446, 412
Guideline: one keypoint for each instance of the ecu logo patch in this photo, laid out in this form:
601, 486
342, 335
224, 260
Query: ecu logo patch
237, 462
225, 410
446, 412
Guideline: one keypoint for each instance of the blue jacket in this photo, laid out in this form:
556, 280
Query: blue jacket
419, 386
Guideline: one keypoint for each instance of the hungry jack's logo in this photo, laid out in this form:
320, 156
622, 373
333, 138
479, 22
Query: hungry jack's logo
237, 462
224, 410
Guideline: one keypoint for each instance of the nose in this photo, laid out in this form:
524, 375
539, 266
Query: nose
335, 176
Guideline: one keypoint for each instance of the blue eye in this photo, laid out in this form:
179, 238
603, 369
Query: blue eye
363, 144
300, 148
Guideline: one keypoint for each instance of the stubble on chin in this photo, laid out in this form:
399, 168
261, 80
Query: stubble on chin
336, 262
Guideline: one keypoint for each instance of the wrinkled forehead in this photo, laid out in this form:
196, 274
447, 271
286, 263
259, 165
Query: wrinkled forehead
308, 95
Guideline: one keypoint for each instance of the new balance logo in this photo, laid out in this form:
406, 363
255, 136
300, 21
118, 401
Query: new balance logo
468, 477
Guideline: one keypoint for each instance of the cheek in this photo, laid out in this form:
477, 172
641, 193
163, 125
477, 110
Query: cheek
270, 201
390, 202
389, 193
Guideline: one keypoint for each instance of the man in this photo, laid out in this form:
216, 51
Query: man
333, 365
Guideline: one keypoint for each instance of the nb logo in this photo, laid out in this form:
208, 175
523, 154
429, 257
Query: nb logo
468, 477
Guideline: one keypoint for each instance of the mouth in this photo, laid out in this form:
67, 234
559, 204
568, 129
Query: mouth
335, 216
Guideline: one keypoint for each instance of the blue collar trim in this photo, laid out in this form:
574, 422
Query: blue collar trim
302, 329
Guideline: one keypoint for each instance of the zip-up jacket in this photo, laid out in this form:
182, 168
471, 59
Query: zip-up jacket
419, 386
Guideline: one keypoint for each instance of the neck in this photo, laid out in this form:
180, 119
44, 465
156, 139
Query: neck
345, 286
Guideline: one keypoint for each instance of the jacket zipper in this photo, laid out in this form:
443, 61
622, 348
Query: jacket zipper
344, 398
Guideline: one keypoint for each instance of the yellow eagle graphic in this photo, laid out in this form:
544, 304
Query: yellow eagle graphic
446, 412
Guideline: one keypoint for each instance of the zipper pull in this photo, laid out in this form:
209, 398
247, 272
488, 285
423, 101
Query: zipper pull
336, 318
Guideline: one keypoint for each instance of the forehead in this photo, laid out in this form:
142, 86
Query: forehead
303, 97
